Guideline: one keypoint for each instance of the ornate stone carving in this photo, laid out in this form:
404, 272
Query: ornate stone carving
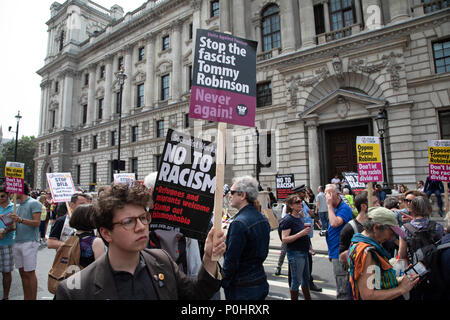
388, 61
337, 66
342, 107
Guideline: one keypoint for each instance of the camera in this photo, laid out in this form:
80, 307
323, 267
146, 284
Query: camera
323, 233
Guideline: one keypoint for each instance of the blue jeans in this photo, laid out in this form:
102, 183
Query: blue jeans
299, 269
324, 219
256, 292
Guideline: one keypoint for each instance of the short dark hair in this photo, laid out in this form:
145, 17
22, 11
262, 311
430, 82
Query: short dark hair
26, 188
83, 218
117, 196
75, 196
361, 198
391, 202
3, 188
415, 193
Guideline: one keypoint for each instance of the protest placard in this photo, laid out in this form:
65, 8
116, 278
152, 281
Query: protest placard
61, 186
14, 177
185, 185
284, 183
224, 79
125, 178
369, 159
353, 182
439, 160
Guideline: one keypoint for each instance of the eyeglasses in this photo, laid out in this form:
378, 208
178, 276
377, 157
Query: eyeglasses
407, 200
232, 192
130, 222
298, 202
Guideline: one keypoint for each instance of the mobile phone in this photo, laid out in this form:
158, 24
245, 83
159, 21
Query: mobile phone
418, 268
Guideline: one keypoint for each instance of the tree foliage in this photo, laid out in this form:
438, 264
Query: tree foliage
25, 154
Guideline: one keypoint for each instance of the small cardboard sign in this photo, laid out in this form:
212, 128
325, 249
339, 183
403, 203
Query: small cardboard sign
370, 168
284, 183
439, 160
125, 178
14, 177
61, 186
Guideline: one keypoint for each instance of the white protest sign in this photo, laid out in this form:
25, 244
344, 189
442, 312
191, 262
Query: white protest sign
61, 186
124, 178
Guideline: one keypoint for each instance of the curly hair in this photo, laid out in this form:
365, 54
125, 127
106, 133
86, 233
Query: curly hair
117, 196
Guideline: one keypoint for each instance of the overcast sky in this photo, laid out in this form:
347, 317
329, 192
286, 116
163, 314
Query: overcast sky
23, 35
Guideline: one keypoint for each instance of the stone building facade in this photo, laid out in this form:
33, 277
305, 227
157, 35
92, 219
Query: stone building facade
325, 69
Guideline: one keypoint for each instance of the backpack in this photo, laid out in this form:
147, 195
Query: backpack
422, 243
65, 264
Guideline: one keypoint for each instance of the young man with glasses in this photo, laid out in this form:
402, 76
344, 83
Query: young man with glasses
129, 271
7, 236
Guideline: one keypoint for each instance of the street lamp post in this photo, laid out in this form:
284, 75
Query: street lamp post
382, 124
18, 117
121, 76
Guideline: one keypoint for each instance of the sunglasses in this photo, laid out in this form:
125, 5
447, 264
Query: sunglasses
298, 202
407, 200
130, 222
232, 192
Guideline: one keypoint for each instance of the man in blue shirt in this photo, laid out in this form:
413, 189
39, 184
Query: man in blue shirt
7, 236
339, 213
25, 249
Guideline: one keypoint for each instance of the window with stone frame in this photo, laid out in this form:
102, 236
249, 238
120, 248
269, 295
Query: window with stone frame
94, 142
441, 55
79, 145
270, 27
444, 124
134, 133
165, 87
165, 43
342, 15
264, 94
78, 174
120, 63
141, 53
134, 167
140, 96
102, 72
113, 138
434, 5
160, 128
214, 8
84, 111
100, 109
158, 158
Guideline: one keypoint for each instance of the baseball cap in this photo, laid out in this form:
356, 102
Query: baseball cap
300, 188
385, 216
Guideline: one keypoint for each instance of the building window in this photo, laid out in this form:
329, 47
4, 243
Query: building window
441, 53
319, 19
157, 161
79, 145
186, 120
141, 53
120, 63
271, 33
102, 72
78, 174
52, 118
61, 41
100, 109
444, 123
111, 171
134, 167
165, 43
214, 8
86, 79
134, 133
191, 31
433, 5
190, 76
94, 172
160, 128
165, 86
49, 148
56, 86
94, 142
341, 16
264, 94
84, 114
140, 96
113, 138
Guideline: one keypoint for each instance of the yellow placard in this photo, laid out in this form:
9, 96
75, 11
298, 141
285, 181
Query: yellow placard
368, 153
438, 155
14, 172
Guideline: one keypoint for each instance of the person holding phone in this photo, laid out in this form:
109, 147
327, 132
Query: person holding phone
371, 276
295, 233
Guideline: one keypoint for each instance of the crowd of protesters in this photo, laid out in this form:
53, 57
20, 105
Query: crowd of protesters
370, 248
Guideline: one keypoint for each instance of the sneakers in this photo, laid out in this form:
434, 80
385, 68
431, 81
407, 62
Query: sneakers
278, 271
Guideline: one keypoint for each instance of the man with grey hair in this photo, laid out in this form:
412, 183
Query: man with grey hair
339, 213
247, 245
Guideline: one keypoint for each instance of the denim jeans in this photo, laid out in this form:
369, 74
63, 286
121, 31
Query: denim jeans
299, 269
256, 292
324, 219
341, 277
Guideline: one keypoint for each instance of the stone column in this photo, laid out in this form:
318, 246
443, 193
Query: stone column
313, 152
126, 100
108, 108
176, 58
66, 107
307, 26
224, 15
287, 26
398, 10
149, 72
239, 18
44, 102
91, 95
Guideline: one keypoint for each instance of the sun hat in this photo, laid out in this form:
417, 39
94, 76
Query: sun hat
385, 216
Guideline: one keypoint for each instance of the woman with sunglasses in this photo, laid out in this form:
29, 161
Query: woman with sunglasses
296, 235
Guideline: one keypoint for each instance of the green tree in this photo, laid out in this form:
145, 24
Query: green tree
25, 154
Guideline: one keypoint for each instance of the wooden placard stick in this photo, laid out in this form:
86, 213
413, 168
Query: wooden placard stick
370, 194
447, 209
220, 176
69, 211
